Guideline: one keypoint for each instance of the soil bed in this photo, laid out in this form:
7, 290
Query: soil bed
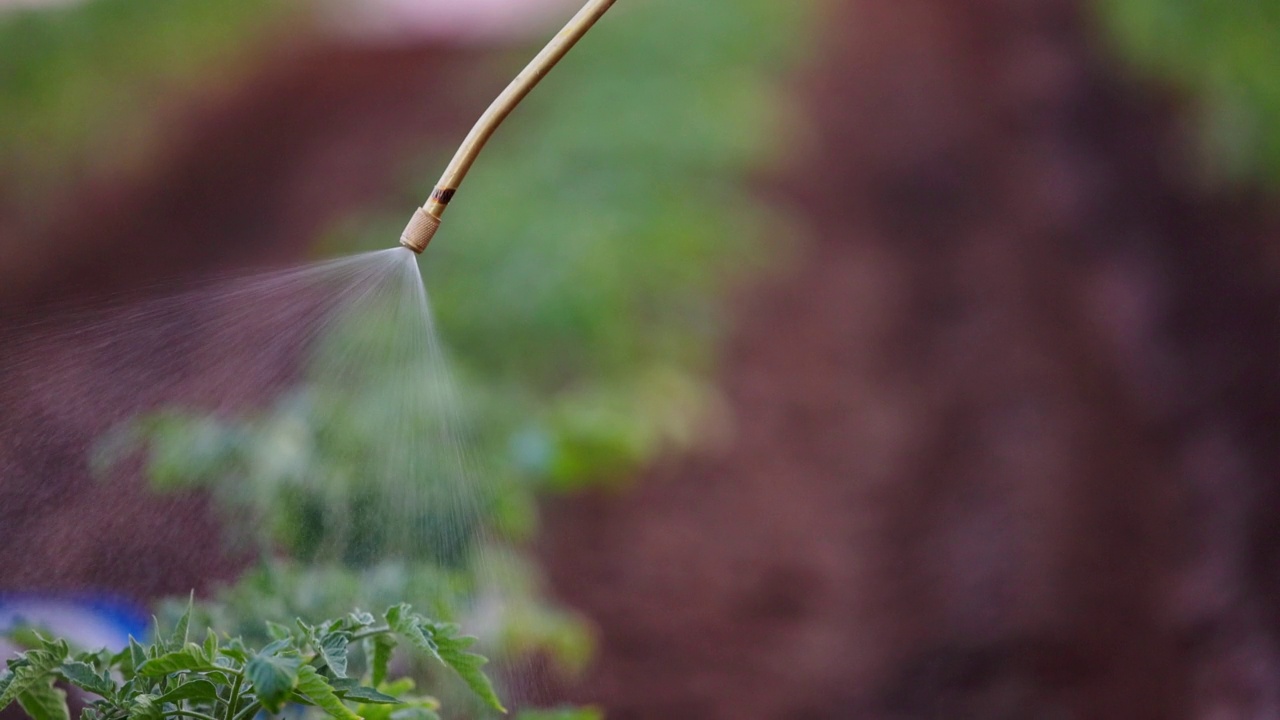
996, 436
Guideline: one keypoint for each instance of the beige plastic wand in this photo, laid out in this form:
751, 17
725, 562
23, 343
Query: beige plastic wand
426, 220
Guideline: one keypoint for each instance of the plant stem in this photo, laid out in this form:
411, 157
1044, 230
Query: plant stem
190, 713
234, 698
370, 632
249, 711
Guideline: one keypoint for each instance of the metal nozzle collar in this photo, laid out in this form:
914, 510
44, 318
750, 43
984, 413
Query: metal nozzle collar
421, 228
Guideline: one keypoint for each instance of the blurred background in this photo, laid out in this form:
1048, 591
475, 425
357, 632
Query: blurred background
826, 359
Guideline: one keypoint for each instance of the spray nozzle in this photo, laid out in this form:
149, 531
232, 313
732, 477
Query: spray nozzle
421, 228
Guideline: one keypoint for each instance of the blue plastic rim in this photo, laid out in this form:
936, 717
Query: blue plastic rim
87, 620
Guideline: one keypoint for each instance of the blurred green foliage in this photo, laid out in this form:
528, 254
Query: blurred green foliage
1226, 55
85, 86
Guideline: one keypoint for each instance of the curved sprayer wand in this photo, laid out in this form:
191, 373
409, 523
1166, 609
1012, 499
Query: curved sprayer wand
426, 220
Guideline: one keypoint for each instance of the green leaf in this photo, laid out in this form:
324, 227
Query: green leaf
84, 676
442, 641
453, 650
26, 636
100, 658
161, 644
191, 657
132, 687
273, 678
235, 650
396, 614
32, 668
144, 707
198, 689
410, 707
333, 649
401, 619
179, 637
375, 712
43, 701
137, 655
119, 659
278, 631
398, 687
383, 646
276, 646
349, 689
211, 643
318, 690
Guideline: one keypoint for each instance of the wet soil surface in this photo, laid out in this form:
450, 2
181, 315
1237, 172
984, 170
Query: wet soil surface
1005, 438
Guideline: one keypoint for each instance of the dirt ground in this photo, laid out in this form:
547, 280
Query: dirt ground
1003, 442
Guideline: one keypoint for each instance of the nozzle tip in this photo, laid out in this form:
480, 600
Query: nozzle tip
418, 233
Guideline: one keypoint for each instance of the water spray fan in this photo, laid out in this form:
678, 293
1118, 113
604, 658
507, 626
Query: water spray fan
426, 220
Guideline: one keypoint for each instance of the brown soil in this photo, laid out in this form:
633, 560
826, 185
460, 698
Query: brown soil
1005, 439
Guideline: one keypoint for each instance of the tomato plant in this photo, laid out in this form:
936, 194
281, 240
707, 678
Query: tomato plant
312, 666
